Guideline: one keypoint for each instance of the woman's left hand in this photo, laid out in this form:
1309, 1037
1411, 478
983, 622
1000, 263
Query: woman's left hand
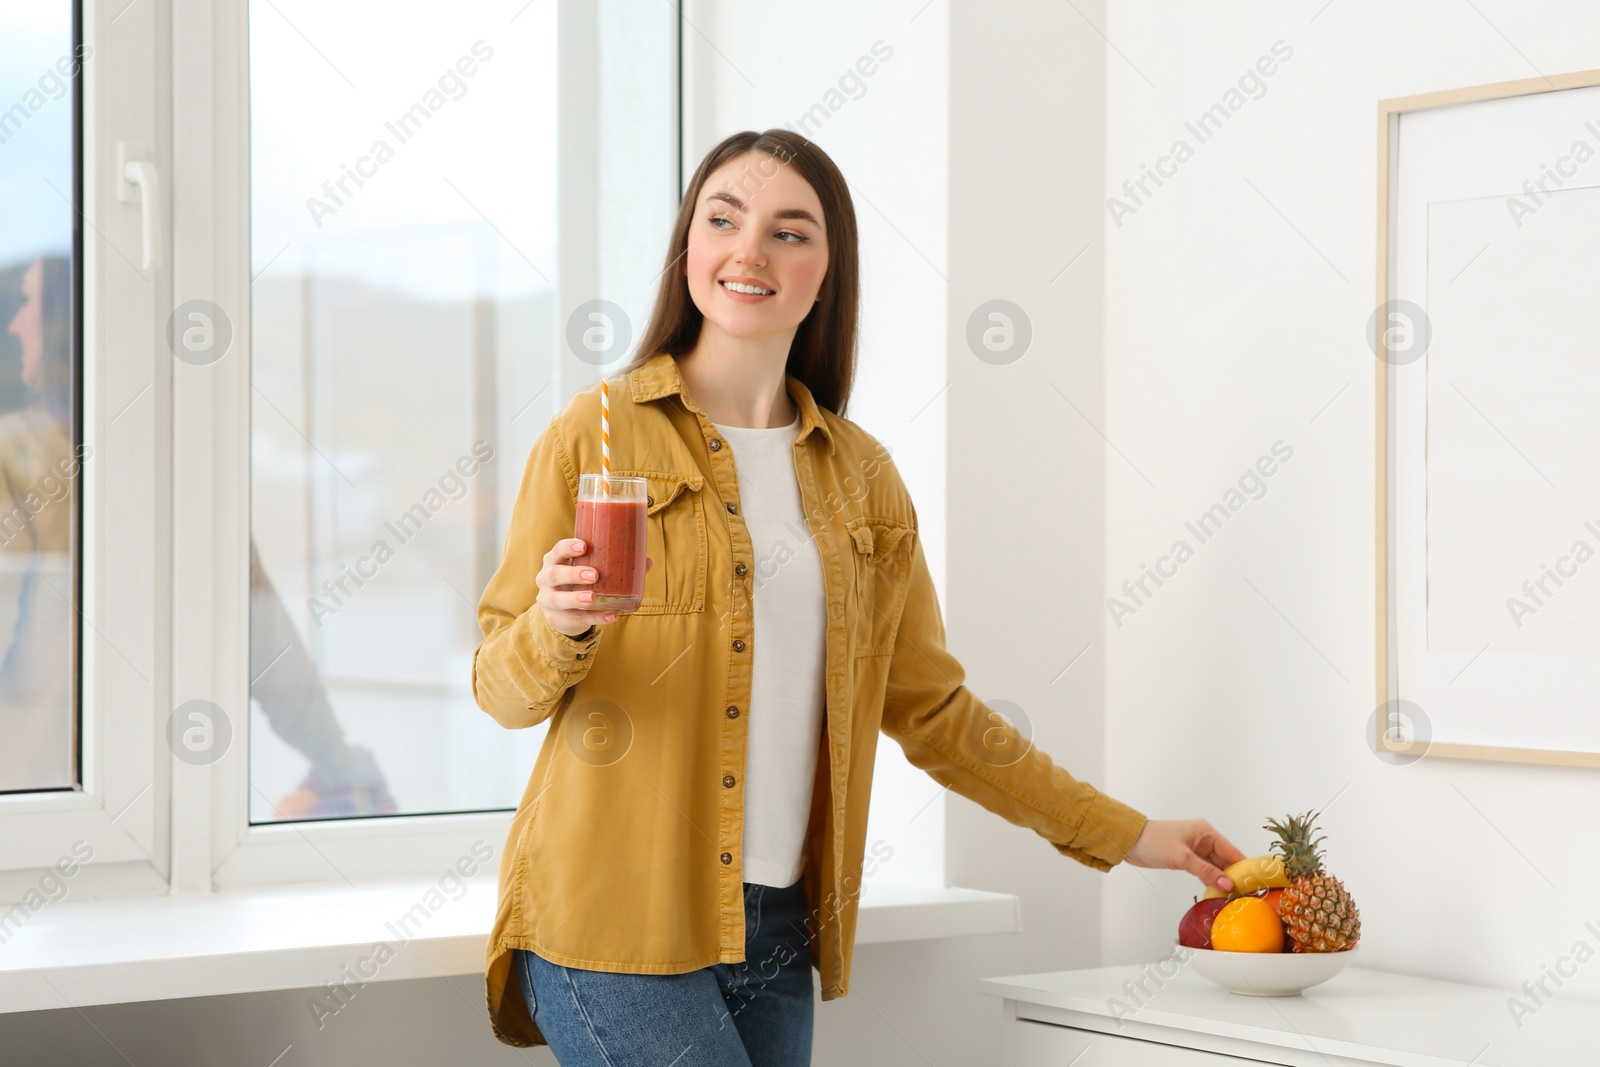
1186, 845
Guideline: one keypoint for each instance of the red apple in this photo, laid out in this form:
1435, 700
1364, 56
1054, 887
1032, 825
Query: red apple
1194, 930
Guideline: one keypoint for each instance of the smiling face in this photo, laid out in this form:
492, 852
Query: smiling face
759, 226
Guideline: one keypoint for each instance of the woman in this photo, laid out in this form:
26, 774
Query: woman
691, 841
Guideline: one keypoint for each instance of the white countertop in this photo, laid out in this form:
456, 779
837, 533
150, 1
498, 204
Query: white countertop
112, 951
1366, 1015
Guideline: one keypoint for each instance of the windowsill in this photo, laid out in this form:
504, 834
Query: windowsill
83, 952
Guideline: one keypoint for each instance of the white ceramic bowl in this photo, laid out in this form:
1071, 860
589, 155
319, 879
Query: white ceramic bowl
1266, 974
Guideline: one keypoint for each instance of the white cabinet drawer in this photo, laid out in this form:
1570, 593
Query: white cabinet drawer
1044, 1045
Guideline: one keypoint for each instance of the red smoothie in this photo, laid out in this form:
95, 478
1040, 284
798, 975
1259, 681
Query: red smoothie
613, 534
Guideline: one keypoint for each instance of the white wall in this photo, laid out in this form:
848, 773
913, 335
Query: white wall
1027, 460
1236, 303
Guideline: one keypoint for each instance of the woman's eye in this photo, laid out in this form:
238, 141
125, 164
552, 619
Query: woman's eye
799, 238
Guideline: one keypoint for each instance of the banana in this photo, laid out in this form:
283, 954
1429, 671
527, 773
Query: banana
1250, 875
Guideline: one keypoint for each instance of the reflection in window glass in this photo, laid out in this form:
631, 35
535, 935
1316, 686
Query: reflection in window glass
402, 241
39, 456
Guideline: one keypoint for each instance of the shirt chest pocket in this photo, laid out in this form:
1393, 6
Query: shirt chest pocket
880, 552
675, 541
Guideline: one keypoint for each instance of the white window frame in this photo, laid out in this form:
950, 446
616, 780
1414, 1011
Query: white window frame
120, 811
213, 485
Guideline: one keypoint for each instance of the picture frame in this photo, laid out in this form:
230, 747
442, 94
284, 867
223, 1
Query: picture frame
1480, 387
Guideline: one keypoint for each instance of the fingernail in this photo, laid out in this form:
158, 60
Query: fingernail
577, 546
588, 576
586, 597
1225, 884
611, 616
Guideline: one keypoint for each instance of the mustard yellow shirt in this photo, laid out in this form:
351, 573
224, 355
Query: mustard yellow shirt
623, 854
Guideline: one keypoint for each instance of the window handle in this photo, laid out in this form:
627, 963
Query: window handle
135, 171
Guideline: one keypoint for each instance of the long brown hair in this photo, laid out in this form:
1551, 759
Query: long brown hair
823, 354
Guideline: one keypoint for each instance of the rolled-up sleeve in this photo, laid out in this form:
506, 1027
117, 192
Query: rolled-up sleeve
967, 746
524, 667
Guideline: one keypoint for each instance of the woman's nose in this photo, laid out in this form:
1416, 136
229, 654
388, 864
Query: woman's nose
750, 249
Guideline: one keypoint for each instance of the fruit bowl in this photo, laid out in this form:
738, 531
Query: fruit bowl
1266, 974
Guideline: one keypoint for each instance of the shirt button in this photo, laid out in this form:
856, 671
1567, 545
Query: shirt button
733, 509
733, 712
649, 501
727, 857
740, 570
581, 655
727, 780
715, 445
738, 645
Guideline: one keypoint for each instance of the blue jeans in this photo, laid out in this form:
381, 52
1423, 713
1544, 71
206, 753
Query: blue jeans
752, 1014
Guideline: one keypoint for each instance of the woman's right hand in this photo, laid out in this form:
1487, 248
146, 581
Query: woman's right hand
560, 596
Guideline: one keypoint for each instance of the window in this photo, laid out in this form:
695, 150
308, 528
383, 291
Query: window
40, 456
84, 159
421, 196
403, 242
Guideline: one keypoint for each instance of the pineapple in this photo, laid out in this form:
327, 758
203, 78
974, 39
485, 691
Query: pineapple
1319, 914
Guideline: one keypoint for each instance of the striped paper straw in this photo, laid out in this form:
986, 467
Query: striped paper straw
605, 437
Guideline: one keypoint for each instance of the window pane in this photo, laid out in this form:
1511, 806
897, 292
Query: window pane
39, 445
402, 238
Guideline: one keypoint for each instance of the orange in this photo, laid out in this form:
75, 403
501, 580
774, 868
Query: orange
1248, 924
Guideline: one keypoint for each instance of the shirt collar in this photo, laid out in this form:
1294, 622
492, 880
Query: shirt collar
659, 376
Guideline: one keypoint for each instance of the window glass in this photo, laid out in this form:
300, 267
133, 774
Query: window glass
40, 455
402, 221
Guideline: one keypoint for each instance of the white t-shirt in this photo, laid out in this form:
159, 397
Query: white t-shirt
786, 700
